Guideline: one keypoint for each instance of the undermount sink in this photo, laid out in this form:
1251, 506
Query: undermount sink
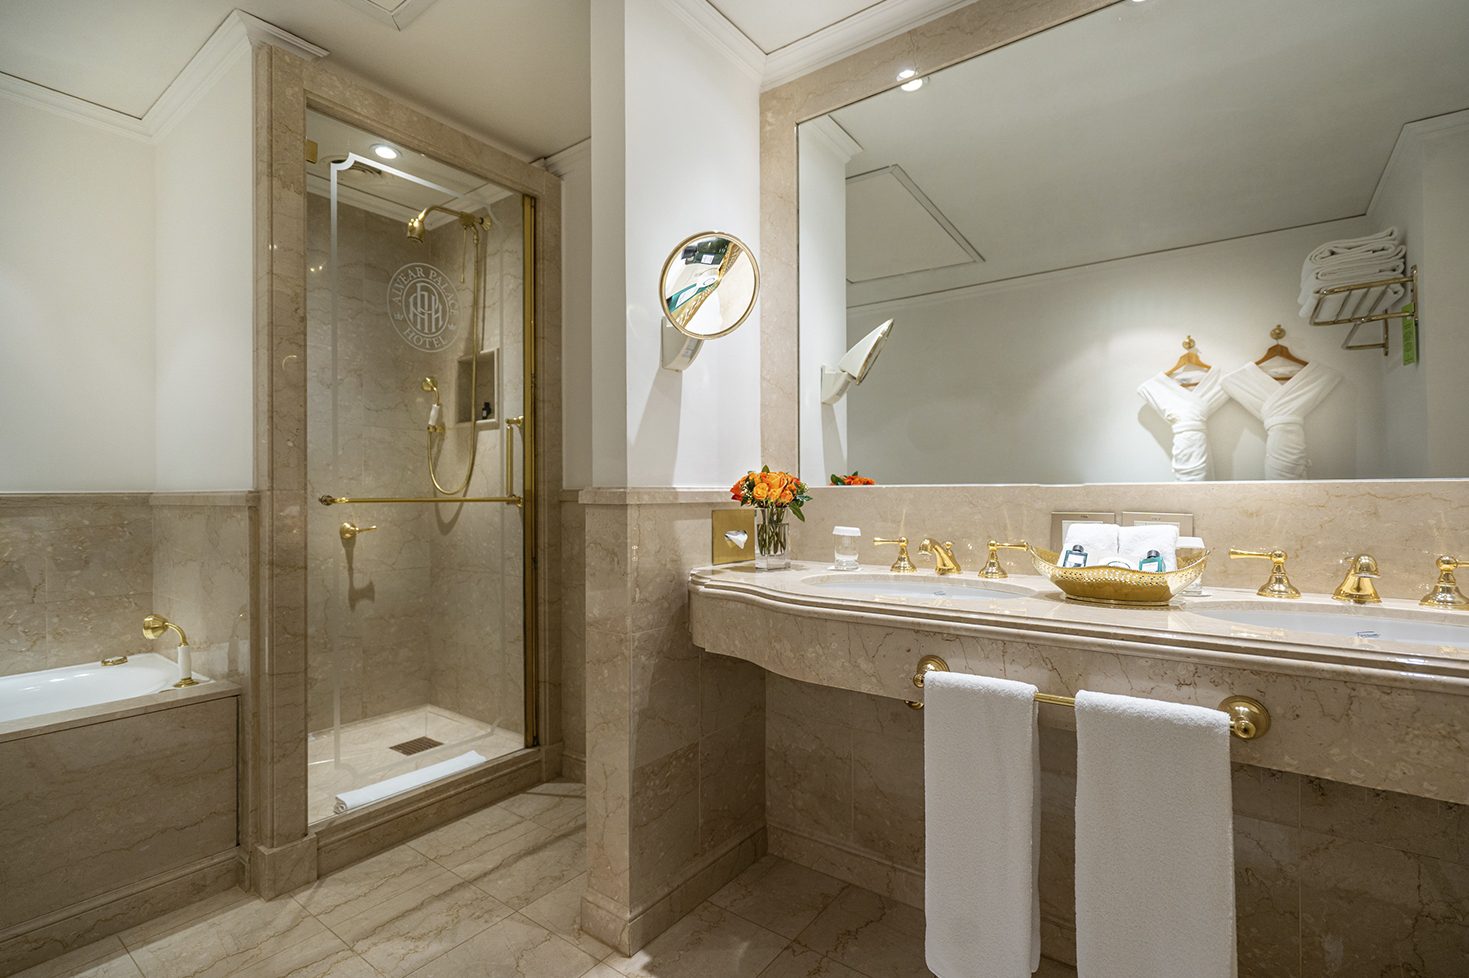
915, 586
1429, 628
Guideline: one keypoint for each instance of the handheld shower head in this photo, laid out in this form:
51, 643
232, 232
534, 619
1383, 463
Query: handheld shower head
429, 385
415, 225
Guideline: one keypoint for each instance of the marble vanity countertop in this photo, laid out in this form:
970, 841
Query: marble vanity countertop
1030, 608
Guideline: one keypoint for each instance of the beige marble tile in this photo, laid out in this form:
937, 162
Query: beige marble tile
226, 941
1419, 825
779, 895
560, 912
513, 948
406, 931
529, 867
322, 956
732, 782
808, 774
802, 962
344, 894
887, 797
106, 958
863, 930
485, 832
664, 809
706, 943
1267, 889
553, 804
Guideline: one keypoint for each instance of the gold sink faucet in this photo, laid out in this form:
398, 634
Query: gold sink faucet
903, 565
1446, 593
1277, 585
1357, 586
992, 568
943, 556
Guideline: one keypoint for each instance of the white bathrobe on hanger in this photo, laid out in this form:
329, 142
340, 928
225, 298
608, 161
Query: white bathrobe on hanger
1283, 408
1187, 409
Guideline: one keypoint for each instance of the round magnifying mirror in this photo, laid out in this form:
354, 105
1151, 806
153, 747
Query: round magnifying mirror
709, 285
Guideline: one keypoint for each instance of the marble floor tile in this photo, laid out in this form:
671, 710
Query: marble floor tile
350, 891
106, 958
778, 895
513, 948
409, 930
797, 961
880, 937
475, 836
529, 867
227, 942
708, 943
560, 912
322, 956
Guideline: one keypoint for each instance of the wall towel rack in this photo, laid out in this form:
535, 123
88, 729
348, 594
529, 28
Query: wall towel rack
1248, 718
1357, 322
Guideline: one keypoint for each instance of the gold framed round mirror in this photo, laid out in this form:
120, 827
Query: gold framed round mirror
709, 285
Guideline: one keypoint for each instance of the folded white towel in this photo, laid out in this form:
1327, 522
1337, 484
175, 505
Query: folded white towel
1349, 261
1154, 840
348, 800
1386, 238
981, 775
1134, 543
1099, 540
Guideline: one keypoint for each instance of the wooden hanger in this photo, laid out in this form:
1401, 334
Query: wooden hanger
1190, 358
1280, 351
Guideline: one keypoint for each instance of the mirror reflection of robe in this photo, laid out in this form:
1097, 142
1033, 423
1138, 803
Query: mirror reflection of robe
1283, 408
1187, 410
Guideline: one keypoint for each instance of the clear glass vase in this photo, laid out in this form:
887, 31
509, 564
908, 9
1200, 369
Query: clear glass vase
771, 548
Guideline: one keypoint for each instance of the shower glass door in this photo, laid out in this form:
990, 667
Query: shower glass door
416, 318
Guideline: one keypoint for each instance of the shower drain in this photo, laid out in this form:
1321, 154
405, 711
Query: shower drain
417, 745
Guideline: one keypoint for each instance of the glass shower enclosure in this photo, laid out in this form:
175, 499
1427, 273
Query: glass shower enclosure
419, 323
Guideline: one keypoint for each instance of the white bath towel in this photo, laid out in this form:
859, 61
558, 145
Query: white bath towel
1349, 261
1385, 239
1135, 542
1187, 410
1283, 408
981, 777
348, 800
1154, 840
1099, 540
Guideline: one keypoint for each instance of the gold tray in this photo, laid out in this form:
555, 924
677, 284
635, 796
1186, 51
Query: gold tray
1116, 585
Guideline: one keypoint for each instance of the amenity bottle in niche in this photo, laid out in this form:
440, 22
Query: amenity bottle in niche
844, 545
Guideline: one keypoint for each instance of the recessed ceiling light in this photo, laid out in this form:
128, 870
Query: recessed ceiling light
906, 73
384, 151
913, 85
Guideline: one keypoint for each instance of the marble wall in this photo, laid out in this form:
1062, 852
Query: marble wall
674, 736
1331, 879
426, 609
78, 571
573, 635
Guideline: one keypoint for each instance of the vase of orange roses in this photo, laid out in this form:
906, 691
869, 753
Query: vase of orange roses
773, 494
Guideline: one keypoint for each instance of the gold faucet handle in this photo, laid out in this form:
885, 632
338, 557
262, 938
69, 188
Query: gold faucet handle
992, 568
903, 565
1278, 585
1445, 593
943, 555
350, 531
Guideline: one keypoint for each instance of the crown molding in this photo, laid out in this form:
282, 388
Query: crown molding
569, 160
713, 26
231, 41
837, 140
1412, 134
398, 18
863, 29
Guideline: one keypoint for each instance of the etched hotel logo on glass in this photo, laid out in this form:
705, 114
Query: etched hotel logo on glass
424, 306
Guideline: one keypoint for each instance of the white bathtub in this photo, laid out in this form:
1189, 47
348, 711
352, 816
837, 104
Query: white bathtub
71, 687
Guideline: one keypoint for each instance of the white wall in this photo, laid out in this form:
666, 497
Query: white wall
573, 166
76, 305
676, 131
1444, 290
1035, 380
822, 192
204, 187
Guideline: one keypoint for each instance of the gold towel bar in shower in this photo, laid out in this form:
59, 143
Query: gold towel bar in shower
1248, 717
350, 500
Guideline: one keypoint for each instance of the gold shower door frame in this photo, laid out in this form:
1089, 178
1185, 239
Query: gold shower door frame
279, 851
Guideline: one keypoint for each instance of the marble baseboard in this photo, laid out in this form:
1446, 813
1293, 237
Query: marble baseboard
573, 767
608, 923
857, 866
280, 869
117, 911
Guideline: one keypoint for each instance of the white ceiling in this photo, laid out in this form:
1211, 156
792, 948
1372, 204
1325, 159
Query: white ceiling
1148, 126
773, 24
517, 71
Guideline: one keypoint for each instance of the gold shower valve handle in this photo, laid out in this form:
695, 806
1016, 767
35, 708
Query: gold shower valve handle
903, 565
1278, 585
350, 531
993, 569
1445, 593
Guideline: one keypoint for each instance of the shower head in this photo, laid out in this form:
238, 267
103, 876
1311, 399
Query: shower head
417, 225
429, 385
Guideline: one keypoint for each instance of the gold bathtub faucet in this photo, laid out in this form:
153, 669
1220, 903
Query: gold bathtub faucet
154, 626
944, 563
1357, 586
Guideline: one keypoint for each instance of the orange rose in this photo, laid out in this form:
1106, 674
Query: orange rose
786, 496
762, 491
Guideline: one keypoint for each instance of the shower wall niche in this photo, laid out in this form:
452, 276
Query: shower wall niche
415, 650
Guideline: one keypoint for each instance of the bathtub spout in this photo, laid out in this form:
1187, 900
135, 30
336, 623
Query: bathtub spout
154, 626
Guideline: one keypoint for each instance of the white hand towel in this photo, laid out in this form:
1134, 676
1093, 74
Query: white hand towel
1154, 840
1384, 239
981, 777
348, 800
1099, 540
1135, 542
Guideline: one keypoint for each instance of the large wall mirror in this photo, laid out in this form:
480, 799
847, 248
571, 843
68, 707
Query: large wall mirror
1101, 248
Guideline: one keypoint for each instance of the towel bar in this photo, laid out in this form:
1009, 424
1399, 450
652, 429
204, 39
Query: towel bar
1248, 717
